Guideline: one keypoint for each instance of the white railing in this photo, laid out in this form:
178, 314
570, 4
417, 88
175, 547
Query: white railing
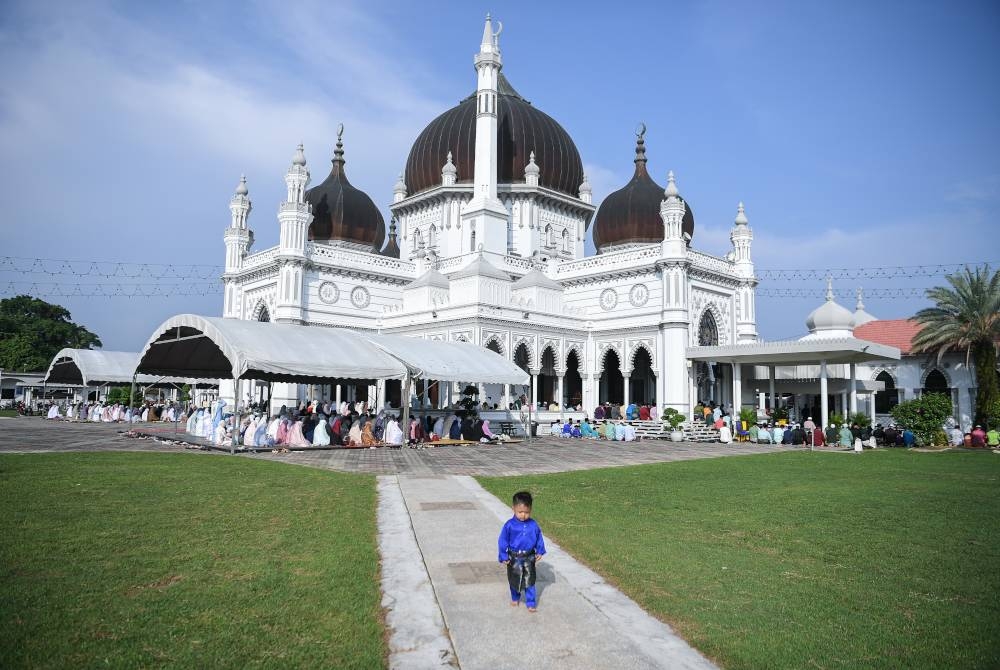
700, 259
617, 260
359, 260
260, 258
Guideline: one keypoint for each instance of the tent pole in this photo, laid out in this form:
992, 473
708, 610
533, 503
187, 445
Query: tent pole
131, 399
405, 402
237, 419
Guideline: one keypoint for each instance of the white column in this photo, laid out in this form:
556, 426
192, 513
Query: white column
824, 411
737, 390
854, 388
560, 401
843, 404
627, 379
871, 407
506, 396
534, 389
770, 378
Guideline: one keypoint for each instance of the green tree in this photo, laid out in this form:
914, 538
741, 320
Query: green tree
924, 416
966, 317
33, 331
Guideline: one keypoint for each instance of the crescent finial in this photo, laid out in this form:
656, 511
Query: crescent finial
340, 130
640, 130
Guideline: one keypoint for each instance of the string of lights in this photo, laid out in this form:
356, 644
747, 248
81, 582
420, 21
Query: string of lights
111, 290
885, 273
846, 294
107, 269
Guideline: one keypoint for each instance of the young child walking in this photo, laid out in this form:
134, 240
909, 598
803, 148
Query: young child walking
520, 546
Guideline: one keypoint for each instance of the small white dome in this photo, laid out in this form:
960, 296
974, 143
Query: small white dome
242, 188
300, 156
862, 317
830, 318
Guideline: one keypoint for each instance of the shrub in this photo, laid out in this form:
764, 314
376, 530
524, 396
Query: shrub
780, 413
836, 420
861, 419
924, 416
748, 414
673, 417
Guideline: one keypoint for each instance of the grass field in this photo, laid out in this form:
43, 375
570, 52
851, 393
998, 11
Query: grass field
8, 413
186, 561
797, 560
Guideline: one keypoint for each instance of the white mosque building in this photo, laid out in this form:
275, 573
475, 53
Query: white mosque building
486, 245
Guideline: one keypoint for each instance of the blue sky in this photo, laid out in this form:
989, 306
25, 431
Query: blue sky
857, 134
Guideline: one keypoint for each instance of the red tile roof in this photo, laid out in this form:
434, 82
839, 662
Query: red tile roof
897, 333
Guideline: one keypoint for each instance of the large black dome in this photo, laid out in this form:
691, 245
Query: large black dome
342, 212
521, 129
631, 215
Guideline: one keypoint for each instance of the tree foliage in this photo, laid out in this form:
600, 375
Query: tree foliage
33, 331
966, 318
924, 415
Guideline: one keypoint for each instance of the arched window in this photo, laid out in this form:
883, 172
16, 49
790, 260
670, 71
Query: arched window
264, 315
418, 240
708, 331
432, 235
565, 240
889, 398
549, 240
473, 242
936, 383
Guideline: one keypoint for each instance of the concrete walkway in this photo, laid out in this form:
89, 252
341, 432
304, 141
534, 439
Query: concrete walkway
448, 604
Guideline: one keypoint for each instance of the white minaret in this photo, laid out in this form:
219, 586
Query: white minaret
449, 173
485, 214
399, 190
294, 215
239, 239
673, 383
586, 192
746, 311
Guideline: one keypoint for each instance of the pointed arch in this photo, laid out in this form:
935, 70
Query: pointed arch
709, 334
260, 311
575, 348
928, 374
494, 343
636, 348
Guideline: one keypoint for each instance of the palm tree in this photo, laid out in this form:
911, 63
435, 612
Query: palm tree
966, 317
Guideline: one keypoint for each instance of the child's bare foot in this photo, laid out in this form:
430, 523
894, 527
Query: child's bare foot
515, 603
532, 609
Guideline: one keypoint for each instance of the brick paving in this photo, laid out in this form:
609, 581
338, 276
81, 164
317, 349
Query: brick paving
542, 455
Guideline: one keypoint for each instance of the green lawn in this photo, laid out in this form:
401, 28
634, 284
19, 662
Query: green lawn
797, 560
8, 413
186, 561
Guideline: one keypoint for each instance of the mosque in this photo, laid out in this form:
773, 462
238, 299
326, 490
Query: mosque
486, 245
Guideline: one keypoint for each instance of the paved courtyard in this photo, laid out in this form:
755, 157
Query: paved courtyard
541, 455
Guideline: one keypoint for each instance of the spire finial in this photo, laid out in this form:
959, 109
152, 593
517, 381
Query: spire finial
741, 217
300, 155
640, 146
671, 190
338, 152
829, 288
242, 189
860, 305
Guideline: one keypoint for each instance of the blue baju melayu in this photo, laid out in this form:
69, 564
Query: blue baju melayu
520, 544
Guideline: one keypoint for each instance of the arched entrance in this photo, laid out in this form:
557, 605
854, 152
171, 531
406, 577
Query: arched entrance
493, 393
572, 381
612, 386
523, 360
936, 383
889, 398
642, 381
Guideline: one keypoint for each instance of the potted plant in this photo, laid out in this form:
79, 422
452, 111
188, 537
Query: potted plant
674, 419
780, 416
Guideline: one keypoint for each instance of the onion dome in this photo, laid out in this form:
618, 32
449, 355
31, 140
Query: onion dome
392, 246
521, 129
631, 215
242, 188
342, 212
830, 319
862, 317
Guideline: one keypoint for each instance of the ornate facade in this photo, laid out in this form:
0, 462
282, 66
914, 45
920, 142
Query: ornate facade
486, 244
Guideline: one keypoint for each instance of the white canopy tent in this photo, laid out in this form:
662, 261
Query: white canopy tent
190, 345
96, 367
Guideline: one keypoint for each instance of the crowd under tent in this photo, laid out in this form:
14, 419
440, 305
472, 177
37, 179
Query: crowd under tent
96, 368
818, 353
196, 346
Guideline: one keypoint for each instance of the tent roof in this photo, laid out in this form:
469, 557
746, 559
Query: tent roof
89, 367
210, 347
831, 350
213, 347
451, 361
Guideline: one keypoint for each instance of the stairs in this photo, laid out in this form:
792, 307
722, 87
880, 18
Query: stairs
697, 431
693, 432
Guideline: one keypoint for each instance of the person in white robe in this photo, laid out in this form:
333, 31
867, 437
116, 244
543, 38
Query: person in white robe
321, 438
220, 434
393, 433
192, 423
725, 434
69, 412
271, 436
619, 431
54, 412
205, 425
94, 414
439, 426
629, 433
249, 431
145, 414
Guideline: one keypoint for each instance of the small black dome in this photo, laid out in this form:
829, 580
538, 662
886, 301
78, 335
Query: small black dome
342, 212
521, 129
631, 215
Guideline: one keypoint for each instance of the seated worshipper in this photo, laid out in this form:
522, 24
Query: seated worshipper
416, 435
598, 413
866, 437
368, 435
777, 434
644, 413
336, 429
786, 437
260, 434
320, 436
726, 434
567, 429
707, 414
586, 430
754, 432
205, 425
978, 438
716, 412
295, 436
484, 427
993, 438
271, 434
455, 430
393, 433
878, 434
653, 413
475, 431
577, 431
632, 412
439, 427
763, 435
955, 436
555, 429
282, 437
53, 412
467, 429
719, 423
248, 431
221, 436
798, 435
845, 438
309, 427
616, 413
628, 432
832, 434
620, 431
354, 434
609, 431
818, 439
809, 426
